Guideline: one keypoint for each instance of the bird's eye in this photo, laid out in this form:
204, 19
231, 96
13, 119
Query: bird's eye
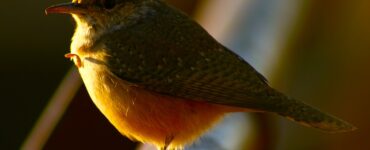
108, 4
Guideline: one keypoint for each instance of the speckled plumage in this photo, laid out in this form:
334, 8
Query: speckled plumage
169, 53
147, 51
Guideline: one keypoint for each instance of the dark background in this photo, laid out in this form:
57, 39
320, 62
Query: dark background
32, 64
324, 61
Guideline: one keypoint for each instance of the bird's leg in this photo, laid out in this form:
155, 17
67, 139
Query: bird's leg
75, 58
167, 142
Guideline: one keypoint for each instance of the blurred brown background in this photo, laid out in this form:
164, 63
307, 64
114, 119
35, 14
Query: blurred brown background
324, 60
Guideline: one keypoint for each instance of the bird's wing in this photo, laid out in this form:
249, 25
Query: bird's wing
192, 66
172, 55
214, 75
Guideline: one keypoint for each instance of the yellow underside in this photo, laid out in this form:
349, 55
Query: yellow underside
146, 116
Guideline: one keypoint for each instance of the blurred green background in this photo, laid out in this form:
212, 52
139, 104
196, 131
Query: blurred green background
323, 58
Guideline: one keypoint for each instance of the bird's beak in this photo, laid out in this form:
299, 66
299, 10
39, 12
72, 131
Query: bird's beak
66, 8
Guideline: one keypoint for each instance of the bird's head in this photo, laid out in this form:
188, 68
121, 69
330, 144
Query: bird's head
99, 14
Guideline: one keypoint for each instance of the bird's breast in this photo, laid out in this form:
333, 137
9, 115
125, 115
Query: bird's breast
144, 115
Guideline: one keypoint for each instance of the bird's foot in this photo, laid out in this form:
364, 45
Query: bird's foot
167, 143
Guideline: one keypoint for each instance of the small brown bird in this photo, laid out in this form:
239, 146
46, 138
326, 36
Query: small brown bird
160, 78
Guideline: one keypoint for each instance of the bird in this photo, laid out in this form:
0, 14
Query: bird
161, 78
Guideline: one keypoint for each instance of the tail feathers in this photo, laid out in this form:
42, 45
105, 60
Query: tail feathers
309, 116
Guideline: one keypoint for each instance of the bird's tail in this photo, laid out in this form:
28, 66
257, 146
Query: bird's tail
309, 116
